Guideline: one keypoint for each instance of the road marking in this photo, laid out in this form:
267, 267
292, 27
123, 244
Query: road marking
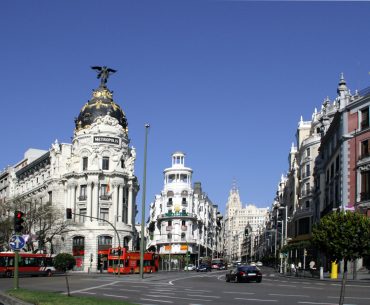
85, 292
287, 285
317, 303
91, 288
195, 290
156, 300
171, 297
236, 292
134, 290
290, 295
258, 300
356, 298
115, 296
203, 296
310, 287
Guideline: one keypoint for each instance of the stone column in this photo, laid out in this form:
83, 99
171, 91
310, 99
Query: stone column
113, 211
120, 203
89, 200
96, 200
129, 204
73, 202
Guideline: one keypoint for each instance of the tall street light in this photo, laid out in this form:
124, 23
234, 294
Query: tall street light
285, 238
142, 242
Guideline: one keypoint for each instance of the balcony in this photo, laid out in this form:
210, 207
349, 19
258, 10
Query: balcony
184, 203
105, 197
169, 203
169, 228
170, 215
82, 198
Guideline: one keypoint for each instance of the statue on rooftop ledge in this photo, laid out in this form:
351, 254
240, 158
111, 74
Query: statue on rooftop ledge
103, 73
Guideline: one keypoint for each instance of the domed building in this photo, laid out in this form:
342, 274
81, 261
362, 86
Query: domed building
93, 176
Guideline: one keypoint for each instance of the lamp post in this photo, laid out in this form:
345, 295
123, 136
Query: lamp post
285, 234
143, 206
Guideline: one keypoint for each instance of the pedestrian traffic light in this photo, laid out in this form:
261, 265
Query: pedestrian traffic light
18, 220
69, 213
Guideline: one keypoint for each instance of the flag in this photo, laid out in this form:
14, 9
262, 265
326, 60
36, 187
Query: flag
108, 186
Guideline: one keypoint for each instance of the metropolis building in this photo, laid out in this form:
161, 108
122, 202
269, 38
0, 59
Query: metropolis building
93, 176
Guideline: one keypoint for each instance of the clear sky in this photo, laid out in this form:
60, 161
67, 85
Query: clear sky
226, 82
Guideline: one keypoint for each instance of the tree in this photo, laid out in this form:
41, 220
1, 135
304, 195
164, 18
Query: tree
343, 236
64, 261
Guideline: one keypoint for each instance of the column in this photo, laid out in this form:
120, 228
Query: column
89, 199
120, 202
129, 203
95, 205
73, 202
113, 211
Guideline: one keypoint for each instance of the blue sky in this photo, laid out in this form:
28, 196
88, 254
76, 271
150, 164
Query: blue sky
223, 81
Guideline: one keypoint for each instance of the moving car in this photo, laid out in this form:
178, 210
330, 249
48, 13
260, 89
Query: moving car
259, 264
204, 268
190, 267
244, 274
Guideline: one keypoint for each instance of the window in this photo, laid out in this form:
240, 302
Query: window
122, 163
84, 163
104, 213
337, 164
105, 165
365, 185
183, 223
50, 197
364, 118
308, 152
83, 192
169, 236
82, 215
308, 172
365, 148
104, 189
169, 223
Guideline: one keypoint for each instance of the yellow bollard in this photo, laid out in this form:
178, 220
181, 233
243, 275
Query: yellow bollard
334, 270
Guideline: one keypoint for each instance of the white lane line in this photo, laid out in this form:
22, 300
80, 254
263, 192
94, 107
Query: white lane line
310, 287
315, 303
134, 290
237, 292
356, 298
195, 290
171, 297
107, 288
256, 300
115, 296
160, 301
287, 286
203, 296
289, 295
86, 292
92, 288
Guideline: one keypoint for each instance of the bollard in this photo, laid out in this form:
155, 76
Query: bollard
334, 270
321, 273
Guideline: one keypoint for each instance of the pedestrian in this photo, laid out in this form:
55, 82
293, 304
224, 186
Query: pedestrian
292, 269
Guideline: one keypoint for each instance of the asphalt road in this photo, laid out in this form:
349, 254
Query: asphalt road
192, 288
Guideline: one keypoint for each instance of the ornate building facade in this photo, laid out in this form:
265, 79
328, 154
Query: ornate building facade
183, 220
94, 176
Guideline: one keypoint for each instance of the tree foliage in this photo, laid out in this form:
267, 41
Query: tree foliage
64, 261
343, 235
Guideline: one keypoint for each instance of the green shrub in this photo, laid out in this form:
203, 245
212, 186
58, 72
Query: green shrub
64, 261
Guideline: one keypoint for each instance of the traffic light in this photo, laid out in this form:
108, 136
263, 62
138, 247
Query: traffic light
69, 213
18, 220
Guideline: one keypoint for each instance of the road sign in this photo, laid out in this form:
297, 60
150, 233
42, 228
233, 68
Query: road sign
16, 242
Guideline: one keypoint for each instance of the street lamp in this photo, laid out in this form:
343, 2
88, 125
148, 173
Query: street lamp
143, 206
284, 225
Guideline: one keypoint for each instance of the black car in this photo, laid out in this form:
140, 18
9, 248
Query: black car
244, 274
204, 268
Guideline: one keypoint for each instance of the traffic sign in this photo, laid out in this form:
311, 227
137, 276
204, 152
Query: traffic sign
16, 242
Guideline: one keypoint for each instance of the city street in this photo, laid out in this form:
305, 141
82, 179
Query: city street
201, 288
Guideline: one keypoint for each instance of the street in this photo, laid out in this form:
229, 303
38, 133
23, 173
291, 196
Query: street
200, 288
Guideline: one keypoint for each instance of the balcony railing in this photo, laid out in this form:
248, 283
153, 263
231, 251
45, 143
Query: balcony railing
82, 198
178, 214
105, 197
169, 203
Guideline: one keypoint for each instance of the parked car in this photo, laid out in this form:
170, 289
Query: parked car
221, 267
189, 267
259, 264
244, 274
204, 268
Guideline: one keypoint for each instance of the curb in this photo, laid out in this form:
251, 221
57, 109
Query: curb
9, 300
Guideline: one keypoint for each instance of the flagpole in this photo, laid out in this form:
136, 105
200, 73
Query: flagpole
143, 206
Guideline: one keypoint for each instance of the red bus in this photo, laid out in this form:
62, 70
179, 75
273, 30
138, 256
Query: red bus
29, 264
129, 261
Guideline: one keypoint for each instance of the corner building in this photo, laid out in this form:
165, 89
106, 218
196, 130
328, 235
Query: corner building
94, 176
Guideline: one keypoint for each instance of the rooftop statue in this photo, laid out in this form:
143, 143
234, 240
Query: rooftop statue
103, 73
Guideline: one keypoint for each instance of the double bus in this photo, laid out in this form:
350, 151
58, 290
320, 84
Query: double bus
29, 264
129, 261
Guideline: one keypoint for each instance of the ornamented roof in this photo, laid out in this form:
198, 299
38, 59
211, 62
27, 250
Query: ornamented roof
100, 105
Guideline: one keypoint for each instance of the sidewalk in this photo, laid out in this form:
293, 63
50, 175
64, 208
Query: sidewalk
362, 276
